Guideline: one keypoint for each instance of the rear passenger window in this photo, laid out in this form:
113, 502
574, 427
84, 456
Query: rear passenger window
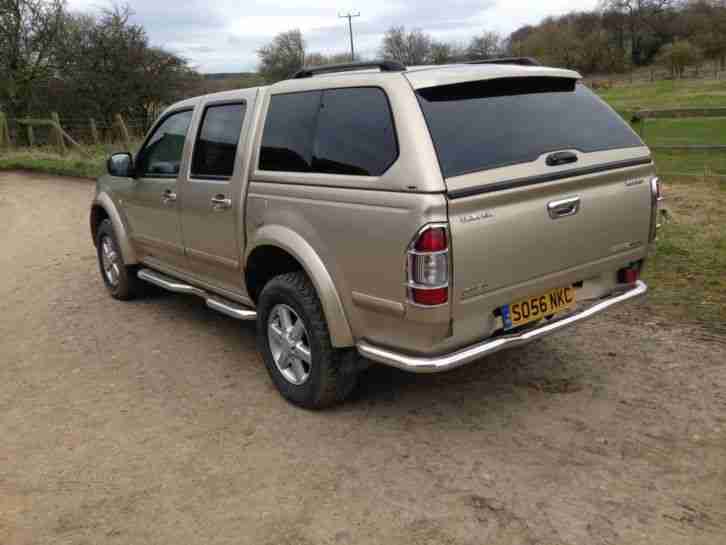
338, 131
287, 143
355, 133
216, 145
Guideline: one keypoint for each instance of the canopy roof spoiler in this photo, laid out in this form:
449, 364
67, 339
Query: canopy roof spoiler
522, 61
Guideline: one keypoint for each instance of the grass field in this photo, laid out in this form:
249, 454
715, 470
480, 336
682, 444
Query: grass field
72, 164
666, 94
47, 160
687, 272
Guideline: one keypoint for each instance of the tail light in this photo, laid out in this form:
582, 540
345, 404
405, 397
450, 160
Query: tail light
656, 195
428, 266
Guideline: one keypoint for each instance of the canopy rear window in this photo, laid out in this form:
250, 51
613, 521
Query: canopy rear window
493, 123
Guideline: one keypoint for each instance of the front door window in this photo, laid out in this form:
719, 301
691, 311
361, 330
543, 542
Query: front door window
162, 154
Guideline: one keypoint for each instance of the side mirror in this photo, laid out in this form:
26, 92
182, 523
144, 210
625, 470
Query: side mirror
120, 164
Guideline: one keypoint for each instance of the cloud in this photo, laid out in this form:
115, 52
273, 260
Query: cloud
224, 36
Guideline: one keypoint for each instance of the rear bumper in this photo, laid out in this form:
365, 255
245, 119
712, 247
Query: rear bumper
436, 364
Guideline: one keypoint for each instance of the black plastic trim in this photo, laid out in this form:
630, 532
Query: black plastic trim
542, 178
385, 66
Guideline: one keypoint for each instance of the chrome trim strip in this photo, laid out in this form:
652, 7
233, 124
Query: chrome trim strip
435, 364
215, 303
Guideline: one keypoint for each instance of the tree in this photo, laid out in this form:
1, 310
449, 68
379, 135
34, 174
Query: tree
648, 24
446, 52
107, 67
409, 48
282, 57
678, 56
705, 25
319, 59
485, 46
30, 33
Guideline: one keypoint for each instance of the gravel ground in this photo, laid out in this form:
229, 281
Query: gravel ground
155, 422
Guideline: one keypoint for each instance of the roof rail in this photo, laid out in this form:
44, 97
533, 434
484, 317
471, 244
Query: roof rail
385, 66
524, 61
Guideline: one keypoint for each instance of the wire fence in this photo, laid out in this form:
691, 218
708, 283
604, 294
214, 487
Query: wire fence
685, 141
653, 74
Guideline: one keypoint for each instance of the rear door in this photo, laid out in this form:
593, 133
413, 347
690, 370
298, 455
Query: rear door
212, 192
543, 179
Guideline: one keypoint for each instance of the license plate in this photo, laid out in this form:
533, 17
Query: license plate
532, 309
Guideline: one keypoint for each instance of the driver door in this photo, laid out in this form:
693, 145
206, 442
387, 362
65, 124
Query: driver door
152, 205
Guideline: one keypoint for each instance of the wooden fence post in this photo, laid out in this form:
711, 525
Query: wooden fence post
124, 131
31, 136
58, 134
4, 131
94, 131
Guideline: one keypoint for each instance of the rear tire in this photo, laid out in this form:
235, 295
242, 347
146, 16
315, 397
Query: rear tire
294, 341
120, 279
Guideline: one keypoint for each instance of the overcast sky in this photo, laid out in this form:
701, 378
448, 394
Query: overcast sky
223, 35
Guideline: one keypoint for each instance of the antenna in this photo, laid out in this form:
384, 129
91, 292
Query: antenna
350, 15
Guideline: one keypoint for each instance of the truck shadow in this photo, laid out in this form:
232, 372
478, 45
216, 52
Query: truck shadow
541, 368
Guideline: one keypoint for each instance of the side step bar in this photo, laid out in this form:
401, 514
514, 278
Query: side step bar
235, 310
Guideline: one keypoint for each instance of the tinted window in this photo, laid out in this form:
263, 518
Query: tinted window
161, 157
216, 145
481, 125
355, 133
287, 142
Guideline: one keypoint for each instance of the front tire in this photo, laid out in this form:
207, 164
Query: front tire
294, 341
120, 279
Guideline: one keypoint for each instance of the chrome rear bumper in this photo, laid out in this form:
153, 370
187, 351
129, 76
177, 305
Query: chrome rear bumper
436, 364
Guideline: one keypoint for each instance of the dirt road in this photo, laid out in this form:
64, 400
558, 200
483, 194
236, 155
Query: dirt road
155, 422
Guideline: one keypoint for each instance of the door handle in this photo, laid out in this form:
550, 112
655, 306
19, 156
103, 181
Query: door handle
220, 202
168, 197
564, 207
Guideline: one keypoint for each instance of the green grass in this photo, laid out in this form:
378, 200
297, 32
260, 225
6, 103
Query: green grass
691, 130
666, 94
627, 98
687, 272
693, 163
70, 165
47, 160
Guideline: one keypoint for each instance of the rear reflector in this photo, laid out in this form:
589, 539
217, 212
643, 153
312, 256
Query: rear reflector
629, 275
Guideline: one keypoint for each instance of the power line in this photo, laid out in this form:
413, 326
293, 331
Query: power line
350, 15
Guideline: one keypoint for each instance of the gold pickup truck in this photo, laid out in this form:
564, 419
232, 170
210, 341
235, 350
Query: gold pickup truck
420, 217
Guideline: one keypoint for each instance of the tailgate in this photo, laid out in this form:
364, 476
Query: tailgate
506, 237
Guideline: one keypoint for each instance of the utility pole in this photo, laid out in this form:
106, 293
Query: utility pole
350, 16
